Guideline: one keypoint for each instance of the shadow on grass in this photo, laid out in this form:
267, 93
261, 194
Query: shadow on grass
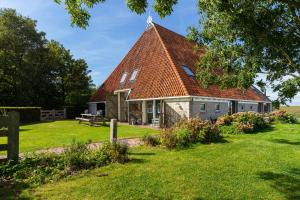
137, 160
287, 183
285, 141
266, 130
25, 129
142, 154
12, 190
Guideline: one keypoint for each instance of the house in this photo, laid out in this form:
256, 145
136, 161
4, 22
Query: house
155, 84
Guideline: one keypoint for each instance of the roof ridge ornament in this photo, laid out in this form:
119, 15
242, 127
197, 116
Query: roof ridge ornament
149, 22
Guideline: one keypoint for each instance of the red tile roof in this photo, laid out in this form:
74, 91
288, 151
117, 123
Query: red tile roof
158, 55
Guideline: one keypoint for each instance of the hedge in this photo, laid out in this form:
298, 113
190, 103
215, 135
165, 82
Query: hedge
27, 114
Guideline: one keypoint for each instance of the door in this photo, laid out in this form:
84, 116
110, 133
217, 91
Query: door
233, 107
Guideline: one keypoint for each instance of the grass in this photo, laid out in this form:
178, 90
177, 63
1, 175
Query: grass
58, 133
295, 110
250, 166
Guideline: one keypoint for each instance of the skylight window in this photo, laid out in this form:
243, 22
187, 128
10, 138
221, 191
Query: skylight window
188, 71
124, 76
133, 75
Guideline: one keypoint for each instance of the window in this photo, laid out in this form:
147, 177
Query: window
133, 75
242, 107
251, 107
188, 71
124, 76
202, 107
218, 107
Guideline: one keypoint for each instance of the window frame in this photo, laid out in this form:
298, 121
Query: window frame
188, 71
242, 107
204, 107
136, 71
124, 74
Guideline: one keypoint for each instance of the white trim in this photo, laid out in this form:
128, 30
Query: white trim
227, 99
157, 98
122, 90
246, 102
210, 100
202, 98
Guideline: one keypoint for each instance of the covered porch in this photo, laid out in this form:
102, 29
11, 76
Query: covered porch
146, 112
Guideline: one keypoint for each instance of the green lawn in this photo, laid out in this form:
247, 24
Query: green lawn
258, 166
54, 134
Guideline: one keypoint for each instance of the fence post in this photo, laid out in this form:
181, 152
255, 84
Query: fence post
13, 136
113, 130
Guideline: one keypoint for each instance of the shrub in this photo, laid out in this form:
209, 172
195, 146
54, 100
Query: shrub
77, 156
168, 139
37, 169
151, 140
193, 126
283, 116
183, 137
250, 121
210, 133
190, 131
246, 127
224, 120
116, 152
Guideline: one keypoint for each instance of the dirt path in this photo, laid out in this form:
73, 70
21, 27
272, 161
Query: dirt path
131, 142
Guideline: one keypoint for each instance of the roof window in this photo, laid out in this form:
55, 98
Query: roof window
133, 75
188, 71
124, 76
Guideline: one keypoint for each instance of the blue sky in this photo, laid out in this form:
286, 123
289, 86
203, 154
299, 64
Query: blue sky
112, 31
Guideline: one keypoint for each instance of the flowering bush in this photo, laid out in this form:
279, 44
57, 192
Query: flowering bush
210, 133
283, 116
188, 131
224, 120
250, 121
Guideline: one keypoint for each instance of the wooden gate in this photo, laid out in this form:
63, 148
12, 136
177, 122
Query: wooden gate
51, 115
9, 127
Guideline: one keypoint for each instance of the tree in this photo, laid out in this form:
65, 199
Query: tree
246, 38
79, 9
34, 71
242, 39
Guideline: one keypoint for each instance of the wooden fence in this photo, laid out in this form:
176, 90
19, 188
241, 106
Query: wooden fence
9, 127
51, 115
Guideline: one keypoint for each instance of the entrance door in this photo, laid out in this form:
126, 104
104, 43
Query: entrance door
233, 107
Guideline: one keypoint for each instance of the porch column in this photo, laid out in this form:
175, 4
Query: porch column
128, 109
119, 106
154, 110
144, 112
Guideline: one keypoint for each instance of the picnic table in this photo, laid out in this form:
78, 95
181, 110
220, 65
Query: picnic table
93, 120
